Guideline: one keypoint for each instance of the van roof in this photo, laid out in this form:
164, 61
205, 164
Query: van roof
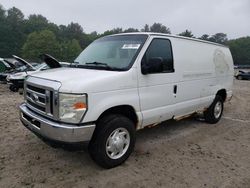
173, 36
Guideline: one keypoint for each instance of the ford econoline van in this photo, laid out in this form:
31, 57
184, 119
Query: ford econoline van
125, 82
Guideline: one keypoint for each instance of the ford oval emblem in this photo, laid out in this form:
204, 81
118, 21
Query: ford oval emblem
34, 97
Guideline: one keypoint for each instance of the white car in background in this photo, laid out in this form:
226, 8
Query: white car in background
16, 80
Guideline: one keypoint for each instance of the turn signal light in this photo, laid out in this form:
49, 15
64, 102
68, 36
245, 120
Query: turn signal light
80, 105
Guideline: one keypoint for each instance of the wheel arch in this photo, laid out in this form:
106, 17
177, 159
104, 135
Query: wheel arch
222, 93
125, 110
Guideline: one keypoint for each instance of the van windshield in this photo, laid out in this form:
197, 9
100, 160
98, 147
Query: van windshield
115, 53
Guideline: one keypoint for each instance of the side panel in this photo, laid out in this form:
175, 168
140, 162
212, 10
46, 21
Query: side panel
204, 69
201, 70
193, 63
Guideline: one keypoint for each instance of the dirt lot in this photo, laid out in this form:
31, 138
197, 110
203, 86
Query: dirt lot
188, 153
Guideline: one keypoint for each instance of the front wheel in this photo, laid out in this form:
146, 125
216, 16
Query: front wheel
13, 88
214, 112
113, 141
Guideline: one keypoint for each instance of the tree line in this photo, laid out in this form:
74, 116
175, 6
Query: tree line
32, 36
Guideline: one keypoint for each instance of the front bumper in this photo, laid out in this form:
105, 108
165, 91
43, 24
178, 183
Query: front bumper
52, 130
18, 82
3, 79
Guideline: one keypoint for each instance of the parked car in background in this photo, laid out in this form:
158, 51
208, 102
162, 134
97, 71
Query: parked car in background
4, 65
13, 63
243, 75
16, 80
16, 66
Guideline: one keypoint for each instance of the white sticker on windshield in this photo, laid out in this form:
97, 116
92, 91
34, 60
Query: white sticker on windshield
130, 46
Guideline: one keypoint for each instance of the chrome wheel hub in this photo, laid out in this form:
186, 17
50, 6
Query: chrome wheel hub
217, 109
117, 143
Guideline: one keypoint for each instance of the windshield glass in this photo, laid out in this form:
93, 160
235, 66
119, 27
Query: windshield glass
21, 68
5, 63
111, 52
26, 68
41, 66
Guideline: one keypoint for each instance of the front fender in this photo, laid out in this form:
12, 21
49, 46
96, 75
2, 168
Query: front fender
100, 102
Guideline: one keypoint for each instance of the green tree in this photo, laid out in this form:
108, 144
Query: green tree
145, 28
240, 49
4, 32
187, 33
40, 42
205, 37
2, 13
113, 31
15, 16
37, 22
70, 50
72, 31
88, 38
130, 30
12, 32
220, 38
159, 28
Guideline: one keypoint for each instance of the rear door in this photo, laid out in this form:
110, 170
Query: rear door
157, 91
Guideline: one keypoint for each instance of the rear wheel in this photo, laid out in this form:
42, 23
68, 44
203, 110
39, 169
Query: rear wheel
113, 141
239, 77
214, 112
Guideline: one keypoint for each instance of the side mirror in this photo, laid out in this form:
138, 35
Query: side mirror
154, 65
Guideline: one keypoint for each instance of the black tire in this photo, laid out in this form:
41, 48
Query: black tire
105, 128
210, 114
239, 77
13, 88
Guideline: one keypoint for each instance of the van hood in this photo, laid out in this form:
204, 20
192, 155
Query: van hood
78, 80
23, 62
50, 61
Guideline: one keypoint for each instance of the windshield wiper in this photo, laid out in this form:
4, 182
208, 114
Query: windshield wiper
103, 66
98, 63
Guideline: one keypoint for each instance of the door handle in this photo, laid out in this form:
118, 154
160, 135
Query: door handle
175, 89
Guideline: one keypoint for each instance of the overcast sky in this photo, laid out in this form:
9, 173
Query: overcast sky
200, 16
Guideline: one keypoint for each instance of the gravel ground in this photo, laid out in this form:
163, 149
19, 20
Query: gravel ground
187, 153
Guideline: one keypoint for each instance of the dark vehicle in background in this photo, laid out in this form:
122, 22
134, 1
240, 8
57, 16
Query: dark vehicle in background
5, 65
243, 75
9, 65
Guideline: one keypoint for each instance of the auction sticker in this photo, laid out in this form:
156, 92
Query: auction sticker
130, 46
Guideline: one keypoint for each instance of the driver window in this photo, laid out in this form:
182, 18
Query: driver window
160, 49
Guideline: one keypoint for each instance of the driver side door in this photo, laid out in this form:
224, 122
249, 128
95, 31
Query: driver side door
157, 87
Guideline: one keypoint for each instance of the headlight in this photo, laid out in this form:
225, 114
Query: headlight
72, 107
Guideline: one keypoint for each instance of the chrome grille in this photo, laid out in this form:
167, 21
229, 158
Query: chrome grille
41, 96
39, 99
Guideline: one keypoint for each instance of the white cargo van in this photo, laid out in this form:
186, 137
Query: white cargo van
123, 83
